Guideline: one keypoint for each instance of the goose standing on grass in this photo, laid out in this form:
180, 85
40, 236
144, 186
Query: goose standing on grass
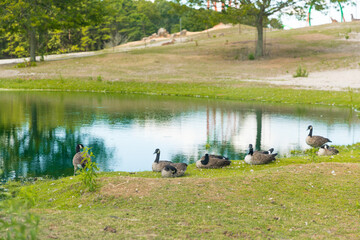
214, 162
315, 141
158, 165
79, 160
257, 158
325, 150
170, 171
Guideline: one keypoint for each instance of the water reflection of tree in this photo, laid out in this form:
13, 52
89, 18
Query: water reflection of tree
38, 147
258, 113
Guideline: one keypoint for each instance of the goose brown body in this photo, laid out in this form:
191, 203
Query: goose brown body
214, 156
158, 165
170, 171
315, 141
79, 159
207, 162
257, 158
325, 150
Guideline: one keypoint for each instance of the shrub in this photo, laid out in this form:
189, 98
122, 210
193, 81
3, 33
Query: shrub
251, 56
301, 72
25, 64
88, 173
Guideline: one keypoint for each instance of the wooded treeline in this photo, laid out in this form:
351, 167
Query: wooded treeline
41, 27
88, 25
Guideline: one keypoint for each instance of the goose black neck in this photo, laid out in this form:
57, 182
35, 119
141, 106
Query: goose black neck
251, 151
77, 148
206, 160
157, 157
310, 133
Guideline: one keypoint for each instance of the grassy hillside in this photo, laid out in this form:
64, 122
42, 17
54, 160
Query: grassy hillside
218, 59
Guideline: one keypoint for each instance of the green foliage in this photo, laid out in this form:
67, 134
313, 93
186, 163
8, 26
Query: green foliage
301, 72
276, 23
16, 45
19, 223
251, 56
88, 174
72, 26
26, 64
36, 20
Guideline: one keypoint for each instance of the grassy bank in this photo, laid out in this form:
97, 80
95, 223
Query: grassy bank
204, 89
302, 196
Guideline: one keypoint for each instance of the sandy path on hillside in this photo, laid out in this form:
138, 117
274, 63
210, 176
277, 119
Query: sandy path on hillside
335, 80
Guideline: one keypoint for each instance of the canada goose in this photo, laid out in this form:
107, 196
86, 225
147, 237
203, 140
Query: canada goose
315, 141
267, 152
79, 159
214, 156
256, 158
208, 162
325, 150
158, 165
171, 171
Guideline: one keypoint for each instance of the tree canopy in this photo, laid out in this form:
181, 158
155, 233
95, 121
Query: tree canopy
258, 12
30, 28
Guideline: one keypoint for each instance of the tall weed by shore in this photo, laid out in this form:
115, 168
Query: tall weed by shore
88, 174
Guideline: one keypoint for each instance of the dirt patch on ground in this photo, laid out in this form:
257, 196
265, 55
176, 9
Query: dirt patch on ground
128, 186
142, 187
332, 80
313, 37
329, 168
135, 186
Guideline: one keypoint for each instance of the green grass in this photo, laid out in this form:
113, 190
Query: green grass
205, 90
299, 197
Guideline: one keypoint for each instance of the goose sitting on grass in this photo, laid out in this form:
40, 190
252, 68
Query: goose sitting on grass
315, 141
325, 150
268, 151
79, 161
170, 171
214, 162
214, 156
158, 165
257, 158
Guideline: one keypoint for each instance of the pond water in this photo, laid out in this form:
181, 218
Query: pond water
39, 131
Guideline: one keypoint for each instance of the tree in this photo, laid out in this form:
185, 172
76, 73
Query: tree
261, 10
34, 18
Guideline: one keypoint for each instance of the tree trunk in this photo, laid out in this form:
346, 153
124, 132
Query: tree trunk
259, 51
32, 44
